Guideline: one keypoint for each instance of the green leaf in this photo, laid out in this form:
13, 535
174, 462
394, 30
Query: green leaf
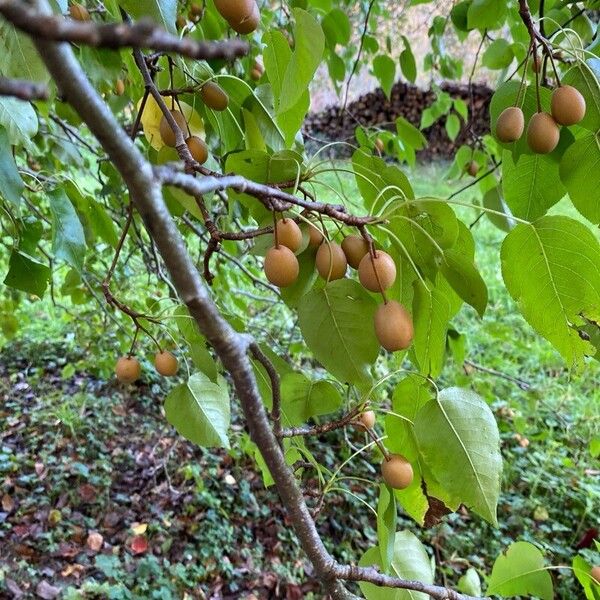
27, 274
386, 524
276, 55
580, 173
302, 398
19, 120
384, 68
584, 77
486, 14
582, 570
163, 12
199, 411
531, 185
470, 583
410, 561
452, 126
20, 59
498, 55
11, 184
337, 28
459, 440
408, 64
431, 313
550, 268
409, 134
495, 201
306, 278
520, 571
68, 239
308, 52
337, 324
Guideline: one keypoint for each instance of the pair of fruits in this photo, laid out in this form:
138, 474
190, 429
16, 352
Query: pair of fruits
128, 368
376, 272
243, 16
543, 132
396, 470
197, 147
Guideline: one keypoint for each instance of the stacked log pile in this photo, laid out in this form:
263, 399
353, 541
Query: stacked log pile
408, 101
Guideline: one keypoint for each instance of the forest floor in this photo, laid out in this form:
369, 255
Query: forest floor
100, 498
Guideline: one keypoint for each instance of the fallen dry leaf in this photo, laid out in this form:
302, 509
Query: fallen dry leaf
94, 541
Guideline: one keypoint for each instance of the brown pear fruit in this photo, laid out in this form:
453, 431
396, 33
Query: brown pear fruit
367, 419
543, 133
167, 134
214, 96
380, 145
331, 261
315, 236
567, 105
195, 9
393, 326
198, 149
248, 23
234, 10
397, 472
377, 273
79, 12
128, 369
355, 247
289, 234
595, 573
472, 168
119, 87
281, 266
255, 74
181, 22
165, 363
510, 125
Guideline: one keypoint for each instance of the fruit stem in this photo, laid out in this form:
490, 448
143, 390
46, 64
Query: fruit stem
537, 80
275, 235
522, 86
382, 448
135, 335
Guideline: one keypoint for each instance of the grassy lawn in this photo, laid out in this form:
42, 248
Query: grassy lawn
79, 455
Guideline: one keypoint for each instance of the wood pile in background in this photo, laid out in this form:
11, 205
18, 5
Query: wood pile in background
409, 101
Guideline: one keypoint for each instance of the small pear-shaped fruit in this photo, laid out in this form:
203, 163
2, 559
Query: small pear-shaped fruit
568, 105
473, 168
214, 96
595, 573
128, 369
315, 236
165, 363
331, 261
289, 234
181, 22
234, 10
79, 12
393, 326
397, 472
377, 273
543, 133
355, 247
367, 419
379, 145
166, 133
248, 23
195, 9
257, 71
281, 266
119, 87
198, 149
510, 125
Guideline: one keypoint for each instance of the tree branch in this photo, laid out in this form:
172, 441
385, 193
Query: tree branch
230, 346
262, 358
23, 89
143, 34
326, 427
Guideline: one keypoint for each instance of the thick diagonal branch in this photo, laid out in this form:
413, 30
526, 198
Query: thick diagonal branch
143, 34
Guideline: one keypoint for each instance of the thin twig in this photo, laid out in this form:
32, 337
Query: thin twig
23, 89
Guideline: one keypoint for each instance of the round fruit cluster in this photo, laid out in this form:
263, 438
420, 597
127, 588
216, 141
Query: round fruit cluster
396, 470
128, 368
214, 97
543, 132
376, 272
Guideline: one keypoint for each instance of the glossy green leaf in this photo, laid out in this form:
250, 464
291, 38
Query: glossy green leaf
520, 571
199, 411
337, 324
408, 64
410, 561
459, 441
498, 55
163, 12
20, 59
452, 126
19, 119
470, 583
486, 14
551, 270
580, 173
582, 570
386, 524
11, 184
68, 239
337, 28
27, 274
384, 68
